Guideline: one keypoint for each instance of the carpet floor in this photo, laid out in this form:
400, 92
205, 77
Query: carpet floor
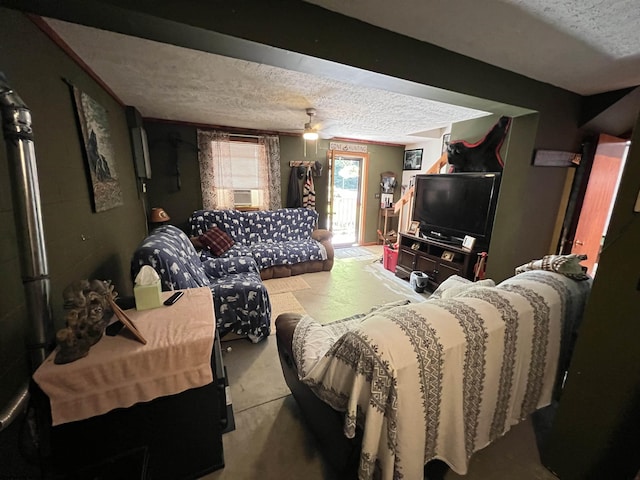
271, 440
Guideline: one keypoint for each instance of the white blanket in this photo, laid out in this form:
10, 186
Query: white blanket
443, 378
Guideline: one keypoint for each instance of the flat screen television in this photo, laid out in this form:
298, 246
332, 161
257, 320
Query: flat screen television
450, 206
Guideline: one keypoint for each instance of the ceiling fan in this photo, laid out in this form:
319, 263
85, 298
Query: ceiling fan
310, 133
313, 129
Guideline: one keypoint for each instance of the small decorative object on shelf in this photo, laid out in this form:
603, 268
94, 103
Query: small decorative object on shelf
468, 242
127, 322
388, 184
87, 305
159, 215
448, 256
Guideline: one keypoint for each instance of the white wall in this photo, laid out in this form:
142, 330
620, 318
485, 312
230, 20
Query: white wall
431, 152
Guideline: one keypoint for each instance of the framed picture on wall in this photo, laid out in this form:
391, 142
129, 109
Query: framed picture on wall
446, 138
412, 159
93, 120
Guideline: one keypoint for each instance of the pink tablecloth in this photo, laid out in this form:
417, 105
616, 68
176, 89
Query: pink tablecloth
119, 371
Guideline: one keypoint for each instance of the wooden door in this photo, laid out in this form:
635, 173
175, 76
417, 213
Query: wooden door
598, 198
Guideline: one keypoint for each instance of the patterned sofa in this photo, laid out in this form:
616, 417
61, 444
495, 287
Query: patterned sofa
388, 391
240, 298
282, 242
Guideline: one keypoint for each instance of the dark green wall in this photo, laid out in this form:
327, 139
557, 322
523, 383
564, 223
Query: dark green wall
606, 343
162, 190
80, 243
172, 147
292, 149
382, 158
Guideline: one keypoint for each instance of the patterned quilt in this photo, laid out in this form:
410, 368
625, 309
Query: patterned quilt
446, 377
270, 237
240, 298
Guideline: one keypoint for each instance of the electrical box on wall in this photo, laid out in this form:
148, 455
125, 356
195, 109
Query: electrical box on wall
139, 146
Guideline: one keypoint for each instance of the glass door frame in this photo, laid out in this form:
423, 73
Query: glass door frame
361, 205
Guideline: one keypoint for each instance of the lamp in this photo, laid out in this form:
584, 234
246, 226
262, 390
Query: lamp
309, 133
158, 215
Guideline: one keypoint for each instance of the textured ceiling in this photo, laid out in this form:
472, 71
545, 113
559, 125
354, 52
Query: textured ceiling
174, 83
585, 46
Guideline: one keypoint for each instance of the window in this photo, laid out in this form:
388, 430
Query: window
239, 172
245, 161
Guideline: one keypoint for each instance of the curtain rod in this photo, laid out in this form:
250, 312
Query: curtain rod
305, 163
244, 135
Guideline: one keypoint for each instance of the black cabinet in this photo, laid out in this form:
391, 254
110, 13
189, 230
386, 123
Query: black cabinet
173, 437
436, 259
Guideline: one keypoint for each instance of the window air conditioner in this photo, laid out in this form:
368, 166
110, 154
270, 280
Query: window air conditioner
242, 198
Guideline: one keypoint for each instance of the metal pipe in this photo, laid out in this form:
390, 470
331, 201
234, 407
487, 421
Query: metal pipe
15, 407
18, 134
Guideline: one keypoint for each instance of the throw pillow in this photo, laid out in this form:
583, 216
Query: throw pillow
216, 240
451, 282
567, 265
465, 287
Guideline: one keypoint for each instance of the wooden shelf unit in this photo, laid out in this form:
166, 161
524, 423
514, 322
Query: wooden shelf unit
383, 225
426, 256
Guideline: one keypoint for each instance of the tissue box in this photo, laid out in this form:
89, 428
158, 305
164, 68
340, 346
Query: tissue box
148, 296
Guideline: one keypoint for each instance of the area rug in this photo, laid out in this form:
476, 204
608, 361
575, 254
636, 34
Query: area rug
285, 284
359, 253
284, 303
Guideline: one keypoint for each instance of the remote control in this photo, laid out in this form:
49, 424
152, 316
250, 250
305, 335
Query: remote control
173, 298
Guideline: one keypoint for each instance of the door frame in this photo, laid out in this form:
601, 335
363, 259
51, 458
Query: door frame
361, 207
579, 189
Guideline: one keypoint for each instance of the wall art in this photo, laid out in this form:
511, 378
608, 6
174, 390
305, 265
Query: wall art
412, 159
93, 122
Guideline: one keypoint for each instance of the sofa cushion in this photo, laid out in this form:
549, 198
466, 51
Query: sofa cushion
298, 251
218, 267
242, 305
285, 224
233, 222
456, 285
268, 254
170, 252
453, 282
216, 240
274, 238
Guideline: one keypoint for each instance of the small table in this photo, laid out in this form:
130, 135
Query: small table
383, 218
124, 397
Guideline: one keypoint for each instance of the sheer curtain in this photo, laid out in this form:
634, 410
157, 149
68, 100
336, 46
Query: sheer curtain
272, 166
216, 171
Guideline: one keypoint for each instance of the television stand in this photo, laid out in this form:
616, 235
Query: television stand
436, 258
443, 239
